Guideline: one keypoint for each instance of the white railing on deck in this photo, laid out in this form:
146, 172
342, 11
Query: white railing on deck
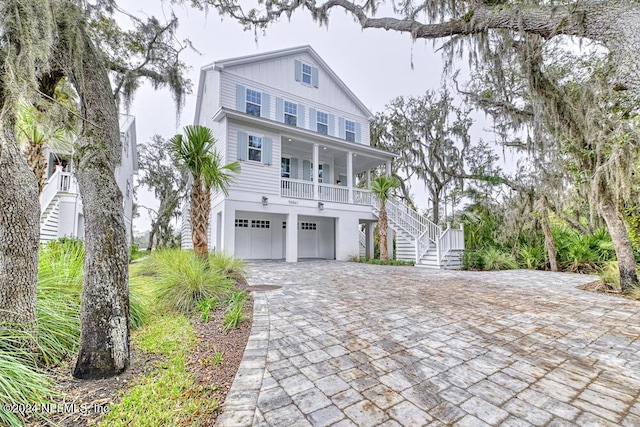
333, 193
362, 197
296, 189
450, 240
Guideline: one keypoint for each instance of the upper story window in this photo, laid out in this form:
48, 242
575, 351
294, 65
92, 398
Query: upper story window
350, 130
254, 102
306, 73
290, 113
322, 122
255, 148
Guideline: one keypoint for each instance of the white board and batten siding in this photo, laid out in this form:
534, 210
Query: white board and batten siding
281, 85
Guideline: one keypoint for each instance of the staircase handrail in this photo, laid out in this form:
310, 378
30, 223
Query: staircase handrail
409, 220
450, 240
50, 189
422, 243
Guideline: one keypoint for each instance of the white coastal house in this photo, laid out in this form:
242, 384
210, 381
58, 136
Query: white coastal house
302, 138
61, 209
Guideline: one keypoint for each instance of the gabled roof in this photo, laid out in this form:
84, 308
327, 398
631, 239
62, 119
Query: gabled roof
275, 54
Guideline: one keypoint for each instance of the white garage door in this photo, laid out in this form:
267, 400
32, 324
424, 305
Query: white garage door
308, 240
253, 238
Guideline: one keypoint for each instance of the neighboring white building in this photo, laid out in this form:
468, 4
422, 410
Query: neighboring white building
62, 212
302, 138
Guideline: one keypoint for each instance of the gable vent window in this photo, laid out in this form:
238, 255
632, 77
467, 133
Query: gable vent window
290, 113
254, 102
350, 131
306, 74
260, 223
322, 123
242, 223
308, 226
255, 148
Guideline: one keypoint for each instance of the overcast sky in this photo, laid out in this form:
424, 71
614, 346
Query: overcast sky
377, 65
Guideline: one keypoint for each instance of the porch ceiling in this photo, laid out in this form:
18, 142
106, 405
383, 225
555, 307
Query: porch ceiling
361, 161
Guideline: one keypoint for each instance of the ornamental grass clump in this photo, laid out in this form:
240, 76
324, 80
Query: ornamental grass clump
183, 280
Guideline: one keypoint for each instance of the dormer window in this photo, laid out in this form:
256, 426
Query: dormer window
350, 131
322, 123
306, 74
254, 102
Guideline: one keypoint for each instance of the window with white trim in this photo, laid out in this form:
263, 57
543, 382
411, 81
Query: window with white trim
308, 226
306, 73
350, 130
322, 122
242, 223
260, 223
254, 102
290, 113
319, 172
285, 167
255, 148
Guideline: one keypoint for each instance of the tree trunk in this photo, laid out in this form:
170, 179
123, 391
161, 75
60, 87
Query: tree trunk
104, 339
37, 162
548, 237
152, 234
19, 232
436, 209
621, 244
200, 207
383, 224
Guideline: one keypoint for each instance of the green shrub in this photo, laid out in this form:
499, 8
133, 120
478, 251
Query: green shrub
610, 274
234, 315
234, 268
205, 306
375, 261
472, 260
495, 259
532, 257
183, 280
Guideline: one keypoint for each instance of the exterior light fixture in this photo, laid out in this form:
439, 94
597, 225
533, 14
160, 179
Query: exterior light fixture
320, 205
265, 200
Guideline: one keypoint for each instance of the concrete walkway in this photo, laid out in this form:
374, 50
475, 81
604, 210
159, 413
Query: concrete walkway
352, 344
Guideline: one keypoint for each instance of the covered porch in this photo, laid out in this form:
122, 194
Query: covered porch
324, 172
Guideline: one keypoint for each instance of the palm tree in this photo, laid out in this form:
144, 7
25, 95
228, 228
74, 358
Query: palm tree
198, 156
381, 188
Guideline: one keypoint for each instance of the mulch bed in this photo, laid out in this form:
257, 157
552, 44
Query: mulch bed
98, 393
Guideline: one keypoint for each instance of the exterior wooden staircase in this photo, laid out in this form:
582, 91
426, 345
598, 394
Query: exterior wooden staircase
422, 241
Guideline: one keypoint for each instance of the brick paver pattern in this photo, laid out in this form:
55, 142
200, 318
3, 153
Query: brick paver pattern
344, 344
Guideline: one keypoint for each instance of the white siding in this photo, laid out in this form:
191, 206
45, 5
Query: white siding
254, 177
210, 102
278, 81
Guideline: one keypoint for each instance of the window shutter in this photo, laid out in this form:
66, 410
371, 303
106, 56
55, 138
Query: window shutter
267, 151
312, 119
265, 109
300, 116
279, 110
298, 70
294, 168
314, 76
243, 140
343, 180
306, 170
332, 125
341, 128
358, 133
326, 174
241, 100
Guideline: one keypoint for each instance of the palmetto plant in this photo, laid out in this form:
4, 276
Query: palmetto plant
381, 188
197, 154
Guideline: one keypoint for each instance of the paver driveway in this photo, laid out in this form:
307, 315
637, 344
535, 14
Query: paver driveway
352, 344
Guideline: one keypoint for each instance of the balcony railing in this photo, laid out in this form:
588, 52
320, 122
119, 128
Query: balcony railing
298, 189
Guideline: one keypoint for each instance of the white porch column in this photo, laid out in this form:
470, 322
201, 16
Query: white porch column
350, 175
292, 237
370, 230
388, 167
316, 169
347, 235
368, 179
228, 230
390, 236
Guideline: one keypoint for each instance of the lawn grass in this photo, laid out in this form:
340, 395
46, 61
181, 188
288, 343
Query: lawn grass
169, 395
